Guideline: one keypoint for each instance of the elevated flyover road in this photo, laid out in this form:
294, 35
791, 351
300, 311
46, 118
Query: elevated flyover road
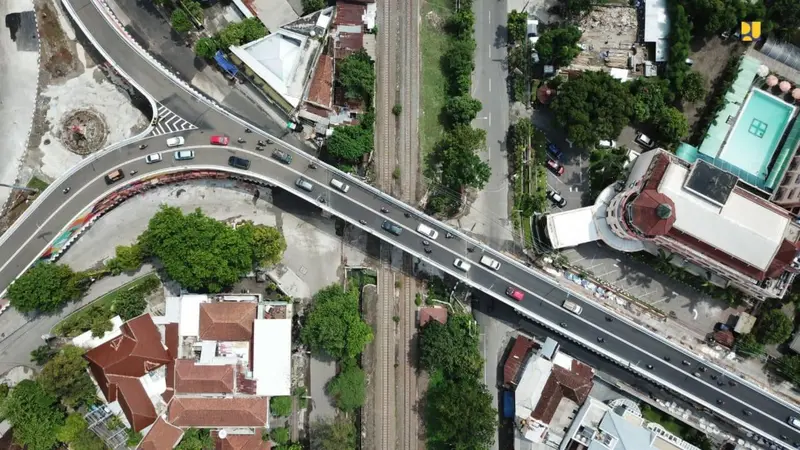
363, 206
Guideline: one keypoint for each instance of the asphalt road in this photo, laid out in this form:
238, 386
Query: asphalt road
30, 239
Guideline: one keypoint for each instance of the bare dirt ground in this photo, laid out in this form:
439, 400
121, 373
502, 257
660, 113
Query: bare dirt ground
607, 29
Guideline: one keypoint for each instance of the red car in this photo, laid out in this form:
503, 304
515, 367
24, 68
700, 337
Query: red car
555, 167
515, 293
219, 140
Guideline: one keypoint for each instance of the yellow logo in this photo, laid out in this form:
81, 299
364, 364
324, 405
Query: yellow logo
751, 31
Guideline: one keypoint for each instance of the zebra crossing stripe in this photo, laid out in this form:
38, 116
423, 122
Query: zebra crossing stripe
169, 122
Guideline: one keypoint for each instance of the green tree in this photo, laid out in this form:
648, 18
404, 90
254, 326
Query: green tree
350, 144
789, 367
133, 437
461, 24
72, 428
592, 107
252, 29
128, 259
575, 8
194, 9
348, 388
693, 88
267, 242
334, 325
699, 439
34, 414
180, 21
458, 65
101, 325
196, 439
42, 354
357, 76
786, 15
455, 161
606, 166
200, 253
66, 378
448, 427
232, 35
462, 110
773, 327
280, 406
206, 47
747, 345
650, 97
129, 304
280, 436
44, 287
333, 434
451, 348
517, 27
310, 6
671, 125
559, 46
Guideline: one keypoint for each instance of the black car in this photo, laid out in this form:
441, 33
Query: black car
239, 163
392, 227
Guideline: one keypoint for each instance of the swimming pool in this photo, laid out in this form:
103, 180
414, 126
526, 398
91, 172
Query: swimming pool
756, 133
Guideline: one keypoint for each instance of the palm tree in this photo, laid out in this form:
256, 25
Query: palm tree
664, 262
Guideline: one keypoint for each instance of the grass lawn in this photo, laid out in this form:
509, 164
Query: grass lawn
38, 184
73, 325
433, 44
668, 422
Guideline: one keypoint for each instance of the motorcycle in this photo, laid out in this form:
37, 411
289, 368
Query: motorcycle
384, 210
248, 130
261, 143
312, 166
143, 146
66, 190
134, 172
240, 140
362, 222
448, 235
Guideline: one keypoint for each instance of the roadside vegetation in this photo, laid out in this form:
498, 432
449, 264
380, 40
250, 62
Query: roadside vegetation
450, 354
527, 156
678, 428
433, 84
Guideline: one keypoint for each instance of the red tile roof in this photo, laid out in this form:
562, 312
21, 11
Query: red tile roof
652, 212
517, 357
194, 378
724, 338
206, 412
171, 339
241, 441
437, 313
346, 44
349, 14
321, 91
162, 436
118, 363
574, 384
227, 321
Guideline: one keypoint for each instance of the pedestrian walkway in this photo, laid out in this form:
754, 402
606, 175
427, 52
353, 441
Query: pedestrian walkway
169, 122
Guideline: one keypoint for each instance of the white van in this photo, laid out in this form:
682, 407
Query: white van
183, 155
794, 421
572, 307
175, 141
427, 231
461, 264
340, 186
490, 262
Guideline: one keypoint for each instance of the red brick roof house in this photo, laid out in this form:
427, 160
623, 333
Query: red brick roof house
517, 357
210, 412
434, 312
118, 364
241, 441
162, 436
574, 384
227, 321
203, 379
320, 93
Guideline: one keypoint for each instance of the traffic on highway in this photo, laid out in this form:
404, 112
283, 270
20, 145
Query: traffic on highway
366, 208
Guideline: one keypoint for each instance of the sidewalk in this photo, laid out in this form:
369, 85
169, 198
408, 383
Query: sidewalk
20, 334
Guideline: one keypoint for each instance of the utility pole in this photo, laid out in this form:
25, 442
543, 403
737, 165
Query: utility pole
14, 187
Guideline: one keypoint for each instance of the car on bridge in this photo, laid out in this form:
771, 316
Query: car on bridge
175, 141
152, 158
282, 156
219, 139
392, 227
114, 176
239, 163
515, 293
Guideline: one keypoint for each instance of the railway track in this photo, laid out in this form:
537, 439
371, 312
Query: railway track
409, 75
408, 439
385, 361
384, 150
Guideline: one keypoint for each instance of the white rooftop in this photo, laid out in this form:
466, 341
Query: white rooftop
531, 384
741, 228
189, 324
656, 27
272, 356
571, 228
281, 60
369, 15
272, 13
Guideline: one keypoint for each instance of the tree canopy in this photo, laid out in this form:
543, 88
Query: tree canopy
35, 415
458, 65
693, 88
592, 107
357, 76
66, 378
747, 345
789, 367
350, 144
650, 97
333, 434
334, 325
180, 21
280, 406
128, 258
773, 327
239, 33
671, 124
517, 26
129, 304
455, 159
206, 47
280, 435
310, 6
462, 110
196, 439
45, 287
267, 242
348, 388
200, 253
606, 166
459, 415
559, 46
451, 348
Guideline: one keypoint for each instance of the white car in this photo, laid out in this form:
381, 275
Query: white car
644, 140
490, 262
572, 307
427, 231
175, 141
606, 143
152, 158
461, 264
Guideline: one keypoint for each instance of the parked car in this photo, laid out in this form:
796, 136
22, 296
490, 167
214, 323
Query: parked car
644, 140
219, 139
555, 167
175, 141
607, 143
554, 151
721, 327
152, 158
515, 293
556, 198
